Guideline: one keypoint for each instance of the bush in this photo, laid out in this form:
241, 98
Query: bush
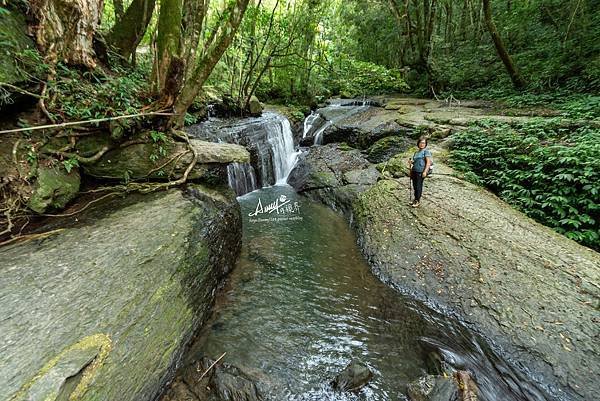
551, 174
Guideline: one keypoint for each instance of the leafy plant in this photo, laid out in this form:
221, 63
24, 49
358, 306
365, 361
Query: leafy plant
69, 163
550, 173
158, 136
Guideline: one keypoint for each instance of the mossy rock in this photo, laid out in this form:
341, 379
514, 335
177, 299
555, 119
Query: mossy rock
15, 42
166, 160
396, 166
54, 188
385, 148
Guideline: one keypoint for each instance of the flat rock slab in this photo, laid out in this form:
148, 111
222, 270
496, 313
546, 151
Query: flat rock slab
531, 291
102, 310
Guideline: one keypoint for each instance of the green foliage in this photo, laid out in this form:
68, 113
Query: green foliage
550, 173
158, 136
92, 94
354, 78
69, 163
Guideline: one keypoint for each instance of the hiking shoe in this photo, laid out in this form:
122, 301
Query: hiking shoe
416, 204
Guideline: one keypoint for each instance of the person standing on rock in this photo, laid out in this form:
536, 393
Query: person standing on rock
419, 166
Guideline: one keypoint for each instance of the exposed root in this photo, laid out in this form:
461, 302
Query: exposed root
22, 91
83, 208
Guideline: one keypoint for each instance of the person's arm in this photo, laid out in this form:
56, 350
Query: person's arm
427, 164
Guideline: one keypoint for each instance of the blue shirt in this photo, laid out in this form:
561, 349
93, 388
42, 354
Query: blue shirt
419, 160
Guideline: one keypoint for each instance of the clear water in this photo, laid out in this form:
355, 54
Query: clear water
302, 303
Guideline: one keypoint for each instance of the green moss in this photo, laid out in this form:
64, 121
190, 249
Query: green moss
54, 188
19, 57
345, 147
396, 166
385, 148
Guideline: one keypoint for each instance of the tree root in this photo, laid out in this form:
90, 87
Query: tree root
144, 188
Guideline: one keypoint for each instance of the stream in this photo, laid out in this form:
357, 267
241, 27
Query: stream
302, 301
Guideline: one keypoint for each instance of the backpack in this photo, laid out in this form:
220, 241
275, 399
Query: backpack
430, 171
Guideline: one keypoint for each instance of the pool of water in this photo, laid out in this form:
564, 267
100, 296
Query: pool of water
302, 303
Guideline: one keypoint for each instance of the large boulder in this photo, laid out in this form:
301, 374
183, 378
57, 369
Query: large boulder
333, 174
465, 252
359, 126
104, 309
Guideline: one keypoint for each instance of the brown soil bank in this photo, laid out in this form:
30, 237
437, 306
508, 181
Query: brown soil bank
532, 293
103, 309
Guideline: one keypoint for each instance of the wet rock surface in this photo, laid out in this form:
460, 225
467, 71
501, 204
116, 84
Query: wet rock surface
206, 379
334, 174
354, 377
530, 292
434, 388
103, 309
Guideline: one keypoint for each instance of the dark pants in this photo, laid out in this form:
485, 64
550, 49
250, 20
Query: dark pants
417, 182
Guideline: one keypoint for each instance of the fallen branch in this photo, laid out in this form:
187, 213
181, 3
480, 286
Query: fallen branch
23, 91
96, 120
83, 208
31, 236
211, 366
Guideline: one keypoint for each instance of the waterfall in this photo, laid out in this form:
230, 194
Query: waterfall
241, 177
281, 140
308, 123
270, 141
319, 133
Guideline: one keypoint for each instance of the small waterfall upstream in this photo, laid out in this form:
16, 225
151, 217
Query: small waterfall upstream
268, 138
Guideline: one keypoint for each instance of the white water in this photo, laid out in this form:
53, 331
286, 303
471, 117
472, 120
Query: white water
282, 146
319, 133
308, 123
241, 177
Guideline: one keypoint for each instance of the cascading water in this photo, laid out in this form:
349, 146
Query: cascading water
270, 141
279, 135
320, 131
241, 178
308, 123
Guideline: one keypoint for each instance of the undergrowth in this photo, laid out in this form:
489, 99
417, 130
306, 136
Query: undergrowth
550, 173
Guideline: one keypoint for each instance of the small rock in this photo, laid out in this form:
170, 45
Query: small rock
255, 106
433, 388
355, 376
54, 188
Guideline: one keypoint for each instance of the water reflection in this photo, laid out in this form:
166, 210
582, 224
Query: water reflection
302, 303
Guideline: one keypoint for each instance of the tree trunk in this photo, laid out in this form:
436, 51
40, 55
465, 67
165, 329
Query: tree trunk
515, 77
119, 9
167, 40
129, 30
218, 42
65, 29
